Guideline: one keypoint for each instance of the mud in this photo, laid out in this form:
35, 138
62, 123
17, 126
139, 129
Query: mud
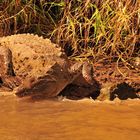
117, 80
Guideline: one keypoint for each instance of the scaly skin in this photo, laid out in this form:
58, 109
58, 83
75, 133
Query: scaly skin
32, 65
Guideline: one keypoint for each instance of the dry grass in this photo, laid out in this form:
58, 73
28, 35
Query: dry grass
84, 28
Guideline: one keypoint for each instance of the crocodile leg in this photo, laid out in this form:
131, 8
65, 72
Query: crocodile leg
6, 61
7, 76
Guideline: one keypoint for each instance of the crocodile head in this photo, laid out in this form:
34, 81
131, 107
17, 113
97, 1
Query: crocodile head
56, 79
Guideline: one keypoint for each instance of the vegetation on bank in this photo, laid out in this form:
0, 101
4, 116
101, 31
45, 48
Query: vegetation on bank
84, 28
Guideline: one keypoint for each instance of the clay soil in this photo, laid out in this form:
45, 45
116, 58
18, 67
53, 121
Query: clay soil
125, 77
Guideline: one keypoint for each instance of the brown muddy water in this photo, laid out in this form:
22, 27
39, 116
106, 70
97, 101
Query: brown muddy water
69, 120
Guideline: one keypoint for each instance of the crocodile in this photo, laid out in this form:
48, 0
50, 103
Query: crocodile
33, 65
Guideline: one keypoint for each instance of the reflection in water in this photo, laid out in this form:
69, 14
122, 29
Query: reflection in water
68, 120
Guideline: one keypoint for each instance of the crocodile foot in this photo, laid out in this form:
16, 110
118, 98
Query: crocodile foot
10, 82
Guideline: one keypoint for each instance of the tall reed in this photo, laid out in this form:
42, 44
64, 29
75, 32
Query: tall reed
84, 28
